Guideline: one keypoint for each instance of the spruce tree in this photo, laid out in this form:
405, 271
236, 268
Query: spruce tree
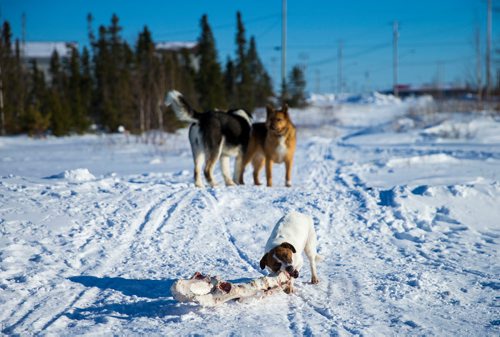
230, 83
86, 85
209, 82
35, 119
12, 81
79, 119
261, 81
243, 77
296, 87
146, 77
113, 61
57, 103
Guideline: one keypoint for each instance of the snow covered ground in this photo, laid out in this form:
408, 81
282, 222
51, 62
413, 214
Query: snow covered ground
95, 229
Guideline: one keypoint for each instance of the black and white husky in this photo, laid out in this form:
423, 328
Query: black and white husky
214, 135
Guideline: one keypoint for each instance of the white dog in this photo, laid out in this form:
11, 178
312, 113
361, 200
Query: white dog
293, 234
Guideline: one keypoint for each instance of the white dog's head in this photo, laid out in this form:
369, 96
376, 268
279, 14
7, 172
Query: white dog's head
280, 258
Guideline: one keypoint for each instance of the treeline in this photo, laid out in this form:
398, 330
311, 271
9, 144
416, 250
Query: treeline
112, 84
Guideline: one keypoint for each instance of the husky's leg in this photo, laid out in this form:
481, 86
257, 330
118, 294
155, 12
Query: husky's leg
195, 138
214, 154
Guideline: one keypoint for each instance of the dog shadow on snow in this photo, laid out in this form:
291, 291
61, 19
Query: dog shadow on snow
157, 302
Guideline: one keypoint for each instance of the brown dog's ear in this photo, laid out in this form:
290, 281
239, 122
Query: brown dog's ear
285, 108
269, 110
289, 246
263, 261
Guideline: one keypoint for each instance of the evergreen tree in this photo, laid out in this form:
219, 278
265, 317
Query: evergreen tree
296, 87
186, 76
230, 83
57, 104
12, 82
5, 66
113, 92
79, 120
209, 81
261, 81
86, 85
148, 74
244, 97
35, 120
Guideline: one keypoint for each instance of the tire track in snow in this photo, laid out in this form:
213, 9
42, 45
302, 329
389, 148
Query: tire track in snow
232, 239
124, 241
154, 218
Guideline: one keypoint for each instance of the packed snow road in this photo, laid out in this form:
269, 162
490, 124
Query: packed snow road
409, 234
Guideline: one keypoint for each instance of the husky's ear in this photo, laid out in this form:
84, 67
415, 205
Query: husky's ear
289, 246
263, 261
269, 110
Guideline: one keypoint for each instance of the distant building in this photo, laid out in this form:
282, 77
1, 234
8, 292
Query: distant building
41, 52
439, 92
176, 47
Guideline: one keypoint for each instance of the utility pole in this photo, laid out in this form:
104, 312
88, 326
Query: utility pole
339, 68
318, 83
367, 81
478, 64
283, 49
488, 52
23, 37
395, 36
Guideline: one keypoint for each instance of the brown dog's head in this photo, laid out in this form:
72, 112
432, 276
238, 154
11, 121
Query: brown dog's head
280, 258
277, 120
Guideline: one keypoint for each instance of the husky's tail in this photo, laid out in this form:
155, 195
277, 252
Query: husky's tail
181, 107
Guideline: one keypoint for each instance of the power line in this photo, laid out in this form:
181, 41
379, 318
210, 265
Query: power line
217, 27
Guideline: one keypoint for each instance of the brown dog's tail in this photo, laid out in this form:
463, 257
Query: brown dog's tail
181, 107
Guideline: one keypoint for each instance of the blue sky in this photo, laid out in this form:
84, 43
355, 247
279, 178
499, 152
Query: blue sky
436, 37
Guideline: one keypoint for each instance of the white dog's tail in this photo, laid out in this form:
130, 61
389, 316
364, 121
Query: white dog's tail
181, 107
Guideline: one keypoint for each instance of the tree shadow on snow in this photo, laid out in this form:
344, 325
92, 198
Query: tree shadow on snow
159, 301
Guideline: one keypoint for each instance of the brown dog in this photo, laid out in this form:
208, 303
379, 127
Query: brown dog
271, 142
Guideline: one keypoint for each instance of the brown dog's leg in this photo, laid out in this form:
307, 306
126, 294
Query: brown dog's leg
288, 172
244, 162
258, 164
269, 172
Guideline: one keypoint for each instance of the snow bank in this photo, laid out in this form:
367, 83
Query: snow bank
423, 160
74, 176
483, 129
374, 98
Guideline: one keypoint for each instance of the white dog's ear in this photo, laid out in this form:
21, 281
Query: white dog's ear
263, 261
289, 246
